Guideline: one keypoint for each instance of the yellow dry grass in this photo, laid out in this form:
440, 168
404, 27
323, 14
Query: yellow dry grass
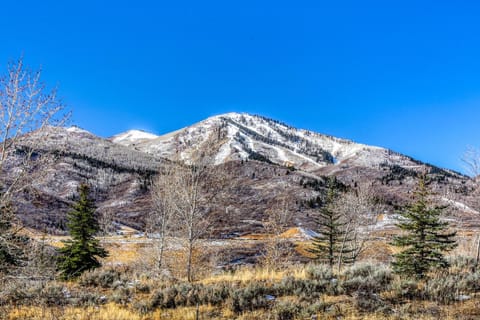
255, 236
257, 274
113, 311
302, 248
122, 253
106, 312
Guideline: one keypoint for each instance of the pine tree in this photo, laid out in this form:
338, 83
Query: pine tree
80, 253
328, 246
12, 244
426, 237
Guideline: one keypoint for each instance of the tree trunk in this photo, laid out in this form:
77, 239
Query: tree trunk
189, 261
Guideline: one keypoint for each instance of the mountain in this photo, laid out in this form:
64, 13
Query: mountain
254, 137
133, 137
264, 159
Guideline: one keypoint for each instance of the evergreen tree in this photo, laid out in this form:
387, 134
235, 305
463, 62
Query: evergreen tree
80, 253
12, 244
425, 237
328, 246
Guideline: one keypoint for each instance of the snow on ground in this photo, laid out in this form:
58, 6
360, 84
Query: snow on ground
189, 137
133, 136
224, 152
386, 220
307, 233
76, 130
460, 206
281, 154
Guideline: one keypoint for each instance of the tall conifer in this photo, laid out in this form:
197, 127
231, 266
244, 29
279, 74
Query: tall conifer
81, 252
328, 246
425, 238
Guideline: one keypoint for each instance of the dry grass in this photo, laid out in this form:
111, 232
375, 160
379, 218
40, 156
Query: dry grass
106, 312
113, 311
123, 253
248, 274
131, 252
254, 236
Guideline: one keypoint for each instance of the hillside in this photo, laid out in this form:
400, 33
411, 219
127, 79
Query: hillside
264, 159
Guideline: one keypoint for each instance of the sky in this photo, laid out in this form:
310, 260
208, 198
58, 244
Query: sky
404, 75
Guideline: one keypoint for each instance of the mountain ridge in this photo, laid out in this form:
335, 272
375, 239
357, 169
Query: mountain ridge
263, 158
318, 149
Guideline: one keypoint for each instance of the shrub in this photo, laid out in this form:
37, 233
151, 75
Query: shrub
249, 298
143, 307
121, 295
100, 278
142, 287
318, 272
215, 294
14, 294
461, 263
54, 295
447, 288
305, 288
367, 278
369, 302
405, 288
470, 283
83, 298
286, 311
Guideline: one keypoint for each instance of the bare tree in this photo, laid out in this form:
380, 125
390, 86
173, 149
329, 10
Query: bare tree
276, 245
183, 200
26, 108
159, 221
361, 210
106, 220
471, 161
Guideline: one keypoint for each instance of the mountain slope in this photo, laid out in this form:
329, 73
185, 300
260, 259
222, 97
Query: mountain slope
264, 159
132, 137
247, 136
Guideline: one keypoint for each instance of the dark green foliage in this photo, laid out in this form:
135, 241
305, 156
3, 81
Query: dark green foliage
396, 172
305, 146
329, 246
81, 252
12, 244
142, 167
425, 239
252, 155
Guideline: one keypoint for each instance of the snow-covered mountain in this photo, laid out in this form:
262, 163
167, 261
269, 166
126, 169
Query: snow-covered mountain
133, 137
287, 162
243, 136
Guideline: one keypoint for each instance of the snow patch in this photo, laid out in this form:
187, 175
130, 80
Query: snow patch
77, 130
133, 136
223, 154
460, 206
307, 233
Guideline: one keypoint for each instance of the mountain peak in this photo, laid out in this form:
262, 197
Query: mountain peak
77, 129
243, 136
131, 137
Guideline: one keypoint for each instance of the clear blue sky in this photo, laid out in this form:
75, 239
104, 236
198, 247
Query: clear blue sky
399, 74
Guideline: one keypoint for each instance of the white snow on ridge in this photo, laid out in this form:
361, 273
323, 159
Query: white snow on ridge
460, 205
133, 136
246, 133
77, 130
223, 154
